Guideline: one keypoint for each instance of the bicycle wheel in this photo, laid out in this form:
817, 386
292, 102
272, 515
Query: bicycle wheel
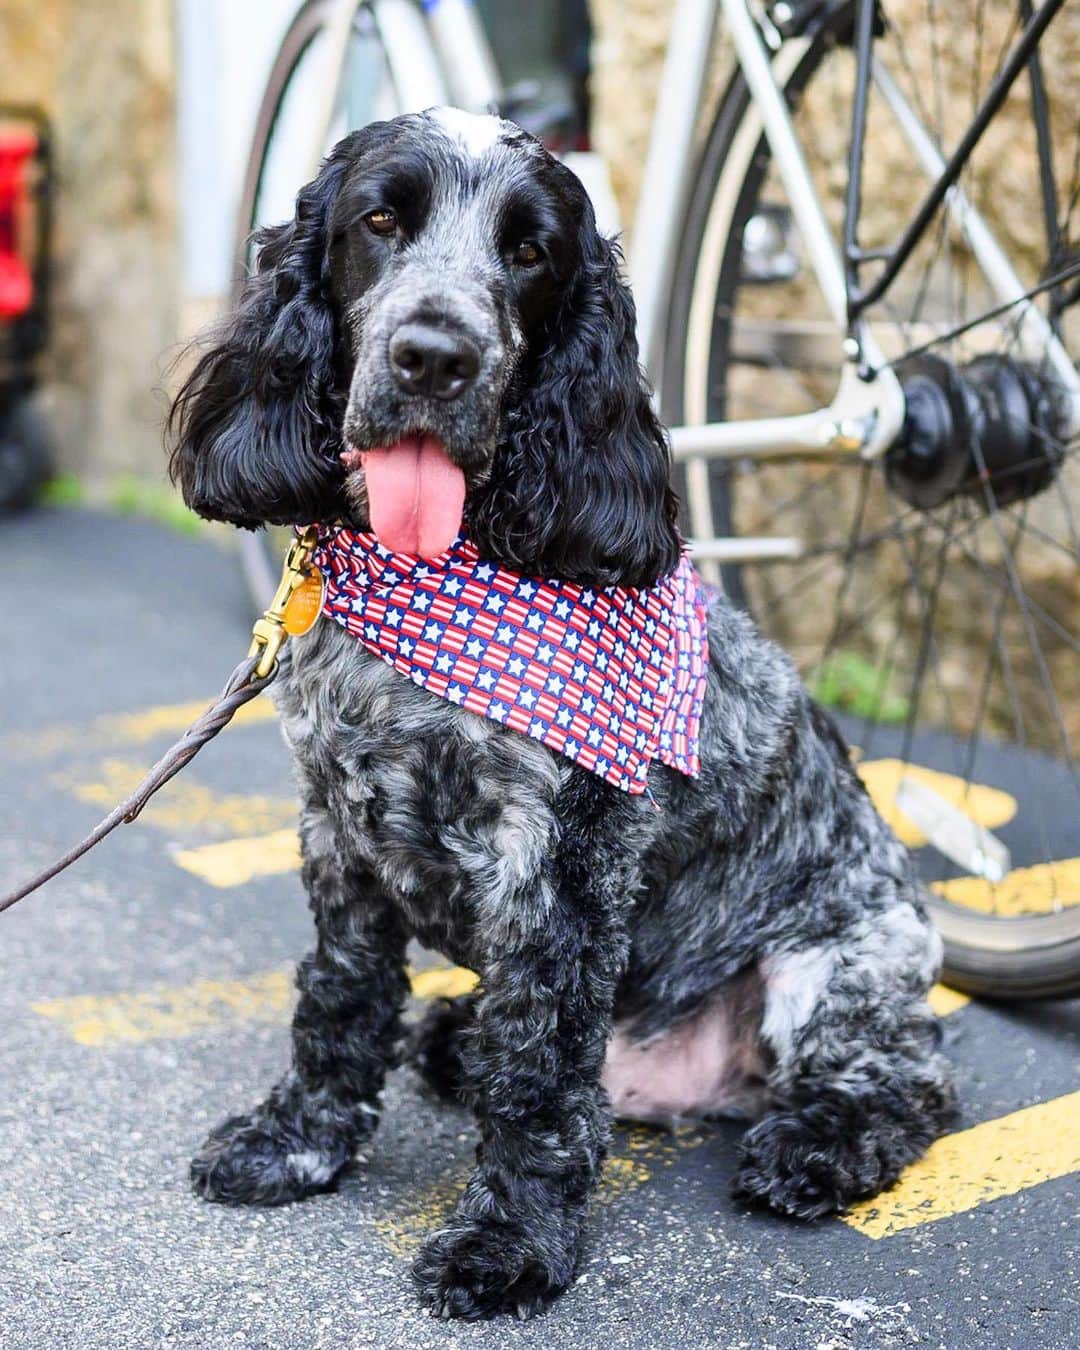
936, 606
279, 163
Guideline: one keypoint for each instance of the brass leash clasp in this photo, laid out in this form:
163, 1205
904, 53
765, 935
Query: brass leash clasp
268, 632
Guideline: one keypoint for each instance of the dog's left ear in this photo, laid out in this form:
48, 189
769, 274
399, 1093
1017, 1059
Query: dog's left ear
256, 428
580, 488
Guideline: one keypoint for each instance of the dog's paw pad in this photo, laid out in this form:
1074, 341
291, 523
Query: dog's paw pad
475, 1271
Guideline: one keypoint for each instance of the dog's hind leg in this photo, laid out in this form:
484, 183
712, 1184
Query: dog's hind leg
857, 1090
344, 1034
436, 1044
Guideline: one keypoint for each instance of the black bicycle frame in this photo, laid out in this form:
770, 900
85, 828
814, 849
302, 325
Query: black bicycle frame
894, 257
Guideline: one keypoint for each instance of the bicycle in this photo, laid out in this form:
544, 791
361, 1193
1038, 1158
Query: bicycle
923, 397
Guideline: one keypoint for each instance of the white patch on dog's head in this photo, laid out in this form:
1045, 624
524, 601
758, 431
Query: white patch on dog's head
475, 132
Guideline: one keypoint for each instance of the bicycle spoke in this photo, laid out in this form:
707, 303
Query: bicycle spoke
1074, 195
1067, 512
856, 622
1021, 737
803, 497
958, 540
1064, 275
927, 651
935, 66
849, 553
1072, 553
885, 668
976, 99
825, 557
1007, 43
941, 233
984, 690
1022, 603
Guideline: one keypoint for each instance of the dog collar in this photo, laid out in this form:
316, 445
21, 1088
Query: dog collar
611, 678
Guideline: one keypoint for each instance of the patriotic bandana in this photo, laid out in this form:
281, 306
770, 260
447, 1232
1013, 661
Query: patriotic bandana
612, 678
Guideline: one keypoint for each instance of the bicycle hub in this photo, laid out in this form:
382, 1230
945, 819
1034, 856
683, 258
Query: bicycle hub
989, 429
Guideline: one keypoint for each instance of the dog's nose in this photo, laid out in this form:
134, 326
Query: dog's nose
433, 361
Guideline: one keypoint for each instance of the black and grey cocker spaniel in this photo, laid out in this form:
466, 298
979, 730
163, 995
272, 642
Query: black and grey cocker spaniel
441, 336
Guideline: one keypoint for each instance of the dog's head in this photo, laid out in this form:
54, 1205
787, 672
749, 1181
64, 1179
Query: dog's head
439, 333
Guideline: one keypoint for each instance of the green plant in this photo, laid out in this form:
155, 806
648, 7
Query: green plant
127, 495
851, 683
132, 496
63, 489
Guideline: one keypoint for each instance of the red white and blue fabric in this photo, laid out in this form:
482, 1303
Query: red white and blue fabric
612, 678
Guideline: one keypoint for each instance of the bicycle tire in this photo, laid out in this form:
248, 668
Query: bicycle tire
307, 23
1034, 956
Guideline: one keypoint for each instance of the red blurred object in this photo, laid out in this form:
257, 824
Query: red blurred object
18, 148
26, 187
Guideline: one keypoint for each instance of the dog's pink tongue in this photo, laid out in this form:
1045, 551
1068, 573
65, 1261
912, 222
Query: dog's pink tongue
416, 496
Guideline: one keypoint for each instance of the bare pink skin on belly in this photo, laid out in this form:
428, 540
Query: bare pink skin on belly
709, 1065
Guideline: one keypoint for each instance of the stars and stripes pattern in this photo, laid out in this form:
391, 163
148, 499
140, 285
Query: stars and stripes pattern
612, 678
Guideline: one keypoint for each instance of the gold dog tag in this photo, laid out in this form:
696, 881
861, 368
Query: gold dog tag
305, 604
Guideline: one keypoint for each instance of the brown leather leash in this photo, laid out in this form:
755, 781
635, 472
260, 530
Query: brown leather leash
247, 681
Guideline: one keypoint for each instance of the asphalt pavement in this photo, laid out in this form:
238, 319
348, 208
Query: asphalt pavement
145, 994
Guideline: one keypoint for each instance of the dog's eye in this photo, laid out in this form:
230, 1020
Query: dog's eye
381, 222
527, 254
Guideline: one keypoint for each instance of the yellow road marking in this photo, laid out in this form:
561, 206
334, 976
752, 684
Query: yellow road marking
179, 1010
961, 1171
234, 862
170, 718
266, 847
443, 982
1025, 890
945, 1001
237, 861
986, 806
187, 806
638, 1152
126, 728
92, 1019
424, 1212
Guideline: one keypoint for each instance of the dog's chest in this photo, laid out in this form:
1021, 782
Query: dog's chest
453, 813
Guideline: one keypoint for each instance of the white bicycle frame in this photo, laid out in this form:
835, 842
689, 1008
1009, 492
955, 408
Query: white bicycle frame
441, 54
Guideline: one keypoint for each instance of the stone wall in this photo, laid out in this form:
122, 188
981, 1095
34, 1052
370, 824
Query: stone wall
103, 71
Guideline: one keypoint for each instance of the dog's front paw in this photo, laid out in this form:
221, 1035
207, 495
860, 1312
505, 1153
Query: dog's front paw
260, 1160
477, 1270
796, 1165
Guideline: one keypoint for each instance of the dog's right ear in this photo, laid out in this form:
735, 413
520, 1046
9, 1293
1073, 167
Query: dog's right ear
255, 431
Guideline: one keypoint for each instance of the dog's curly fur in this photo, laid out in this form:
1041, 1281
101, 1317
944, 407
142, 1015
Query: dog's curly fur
765, 900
